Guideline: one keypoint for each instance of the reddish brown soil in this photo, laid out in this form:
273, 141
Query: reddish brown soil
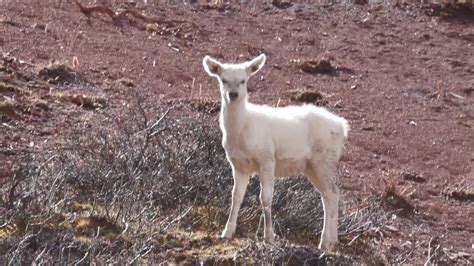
404, 80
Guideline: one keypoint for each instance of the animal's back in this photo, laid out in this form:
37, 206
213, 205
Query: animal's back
298, 134
294, 117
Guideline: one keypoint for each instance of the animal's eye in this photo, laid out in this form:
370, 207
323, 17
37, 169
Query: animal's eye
225, 81
242, 82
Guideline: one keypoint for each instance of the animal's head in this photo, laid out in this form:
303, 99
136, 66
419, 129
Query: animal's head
233, 78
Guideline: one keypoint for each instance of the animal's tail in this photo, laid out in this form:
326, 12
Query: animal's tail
345, 127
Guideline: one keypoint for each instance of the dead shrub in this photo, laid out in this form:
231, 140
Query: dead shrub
450, 9
317, 66
459, 191
305, 96
60, 73
394, 196
7, 108
137, 186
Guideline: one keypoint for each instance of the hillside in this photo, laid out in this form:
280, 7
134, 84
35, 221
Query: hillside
110, 148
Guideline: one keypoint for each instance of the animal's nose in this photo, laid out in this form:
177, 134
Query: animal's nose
233, 95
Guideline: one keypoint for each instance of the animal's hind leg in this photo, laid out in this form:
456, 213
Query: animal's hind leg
321, 175
267, 172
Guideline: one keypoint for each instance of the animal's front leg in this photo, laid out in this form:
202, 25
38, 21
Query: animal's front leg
240, 185
266, 195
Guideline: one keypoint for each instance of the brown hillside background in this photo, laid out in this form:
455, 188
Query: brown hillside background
110, 148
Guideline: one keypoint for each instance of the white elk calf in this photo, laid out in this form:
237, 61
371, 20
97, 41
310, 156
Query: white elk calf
276, 142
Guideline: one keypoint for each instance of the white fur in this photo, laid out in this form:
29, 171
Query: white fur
277, 142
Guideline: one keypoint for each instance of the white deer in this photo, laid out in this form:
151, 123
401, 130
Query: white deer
276, 142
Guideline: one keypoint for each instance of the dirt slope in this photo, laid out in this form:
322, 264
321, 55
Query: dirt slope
404, 80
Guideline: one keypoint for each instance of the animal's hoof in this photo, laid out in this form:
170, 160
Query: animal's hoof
226, 236
269, 239
328, 246
223, 238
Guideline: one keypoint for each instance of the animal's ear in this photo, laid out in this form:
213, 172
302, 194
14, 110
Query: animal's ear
212, 66
255, 65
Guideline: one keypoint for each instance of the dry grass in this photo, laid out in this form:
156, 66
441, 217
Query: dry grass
317, 66
151, 27
395, 196
153, 185
461, 191
450, 9
7, 107
60, 73
83, 100
305, 96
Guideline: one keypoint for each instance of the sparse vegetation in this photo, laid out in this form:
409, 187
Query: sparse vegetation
91, 174
460, 191
394, 196
306, 96
317, 66
7, 108
61, 73
450, 9
85, 101
203, 105
125, 191
151, 27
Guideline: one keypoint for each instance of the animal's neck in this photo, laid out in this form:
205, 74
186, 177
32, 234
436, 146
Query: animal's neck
233, 117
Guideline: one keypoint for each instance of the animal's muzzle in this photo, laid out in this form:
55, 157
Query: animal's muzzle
233, 95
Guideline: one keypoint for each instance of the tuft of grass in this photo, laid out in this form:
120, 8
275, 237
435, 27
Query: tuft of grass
60, 73
127, 82
414, 177
7, 230
395, 196
7, 108
317, 66
151, 27
303, 95
5, 87
208, 218
96, 225
449, 9
460, 191
202, 105
85, 101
